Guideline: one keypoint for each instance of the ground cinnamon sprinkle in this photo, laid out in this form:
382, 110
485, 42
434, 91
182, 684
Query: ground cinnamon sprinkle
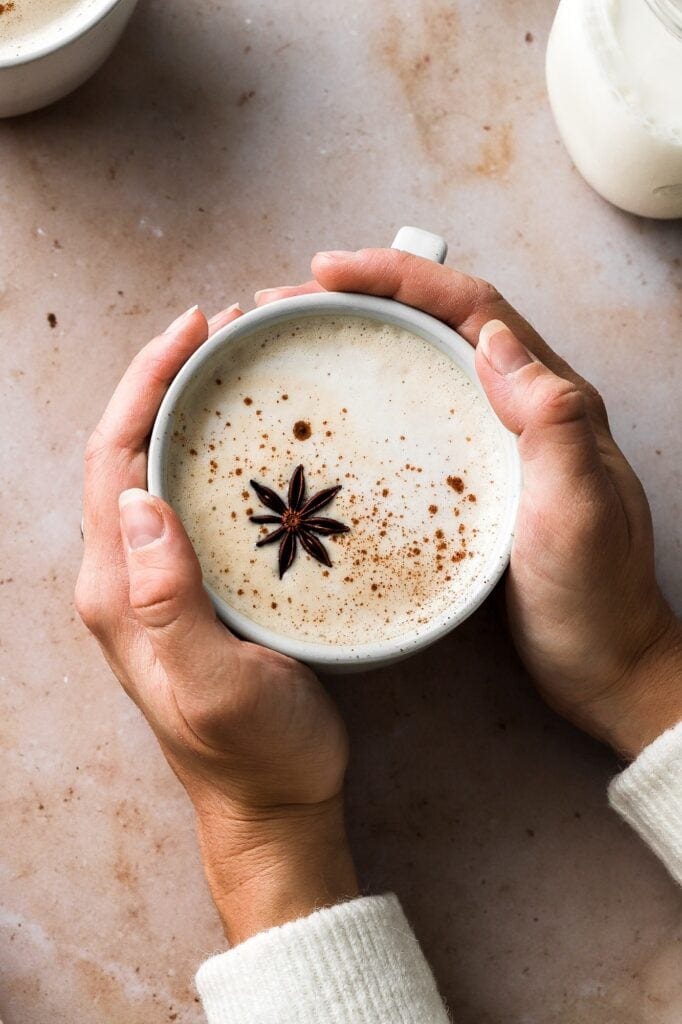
6, 8
456, 483
302, 430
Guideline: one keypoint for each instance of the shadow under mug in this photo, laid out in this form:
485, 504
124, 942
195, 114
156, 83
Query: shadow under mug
374, 654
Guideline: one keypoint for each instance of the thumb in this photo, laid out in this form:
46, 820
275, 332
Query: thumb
548, 413
166, 592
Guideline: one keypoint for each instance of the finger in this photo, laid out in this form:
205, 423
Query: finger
463, 302
226, 316
266, 295
116, 460
115, 457
166, 593
549, 414
130, 413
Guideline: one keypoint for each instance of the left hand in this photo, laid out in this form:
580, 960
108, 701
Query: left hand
251, 734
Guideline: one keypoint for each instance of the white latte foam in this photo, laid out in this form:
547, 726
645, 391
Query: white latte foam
27, 25
397, 423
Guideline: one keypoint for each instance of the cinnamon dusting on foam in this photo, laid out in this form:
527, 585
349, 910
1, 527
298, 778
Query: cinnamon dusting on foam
417, 457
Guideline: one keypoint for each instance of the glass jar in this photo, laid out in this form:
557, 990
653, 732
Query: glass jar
614, 76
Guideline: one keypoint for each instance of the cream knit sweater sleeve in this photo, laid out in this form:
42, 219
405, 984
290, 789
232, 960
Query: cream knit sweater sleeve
360, 963
648, 795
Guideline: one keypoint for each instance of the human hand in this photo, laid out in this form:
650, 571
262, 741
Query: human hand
586, 612
252, 735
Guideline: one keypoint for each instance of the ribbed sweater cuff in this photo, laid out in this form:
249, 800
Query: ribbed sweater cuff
648, 795
355, 963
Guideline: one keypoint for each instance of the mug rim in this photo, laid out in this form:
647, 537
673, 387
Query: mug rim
49, 48
432, 330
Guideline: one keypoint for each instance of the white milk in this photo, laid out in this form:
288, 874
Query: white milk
614, 74
28, 25
394, 421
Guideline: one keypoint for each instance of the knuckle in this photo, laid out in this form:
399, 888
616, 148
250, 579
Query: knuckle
399, 265
481, 299
91, 607
95, 446
557, 400
396, 257
485, 293
156, 599
596, 403
393, 264
150, 365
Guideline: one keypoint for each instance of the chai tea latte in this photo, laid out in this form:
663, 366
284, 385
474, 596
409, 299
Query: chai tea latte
340, 478
27, 25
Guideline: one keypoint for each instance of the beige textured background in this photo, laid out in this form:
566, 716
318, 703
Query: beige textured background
216, 151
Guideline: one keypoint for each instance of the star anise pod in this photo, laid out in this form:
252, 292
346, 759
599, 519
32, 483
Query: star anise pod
297, 520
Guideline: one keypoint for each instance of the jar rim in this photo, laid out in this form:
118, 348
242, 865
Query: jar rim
669, 13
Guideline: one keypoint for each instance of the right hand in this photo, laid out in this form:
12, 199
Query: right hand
586, 612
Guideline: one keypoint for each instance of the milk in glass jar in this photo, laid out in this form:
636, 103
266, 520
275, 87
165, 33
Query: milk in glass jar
614, 75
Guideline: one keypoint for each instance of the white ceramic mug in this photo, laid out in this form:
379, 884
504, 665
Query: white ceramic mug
384, 652
36, 78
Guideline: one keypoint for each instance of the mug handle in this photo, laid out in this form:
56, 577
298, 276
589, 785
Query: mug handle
421, 243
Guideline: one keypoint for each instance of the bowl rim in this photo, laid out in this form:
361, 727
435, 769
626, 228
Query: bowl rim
100, 12
379, 652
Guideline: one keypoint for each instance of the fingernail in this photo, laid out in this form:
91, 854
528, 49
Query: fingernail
334, 255
182, 319
268, 292
141, 521
235, 307
502, 349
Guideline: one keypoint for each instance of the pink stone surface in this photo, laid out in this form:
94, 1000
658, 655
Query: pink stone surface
221, 146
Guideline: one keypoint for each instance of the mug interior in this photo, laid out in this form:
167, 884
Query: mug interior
61, 39
375, 653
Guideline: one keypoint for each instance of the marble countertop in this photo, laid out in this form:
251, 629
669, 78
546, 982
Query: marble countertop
220, 147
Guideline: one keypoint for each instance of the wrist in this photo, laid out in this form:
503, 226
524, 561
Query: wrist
267, 868
648, 700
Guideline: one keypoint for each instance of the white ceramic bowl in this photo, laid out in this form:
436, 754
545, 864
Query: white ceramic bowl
36, 78
374, 654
